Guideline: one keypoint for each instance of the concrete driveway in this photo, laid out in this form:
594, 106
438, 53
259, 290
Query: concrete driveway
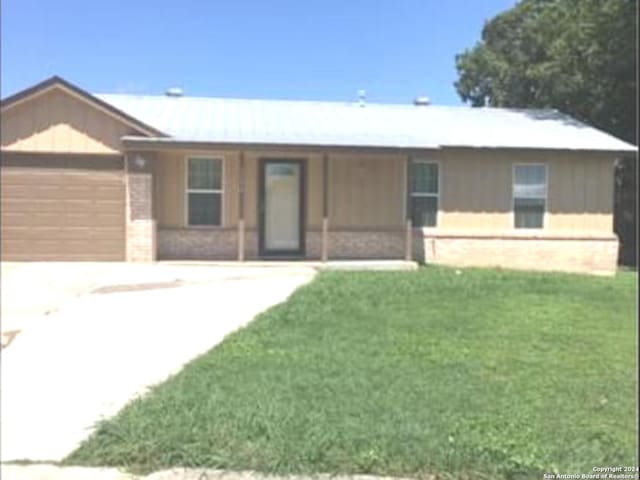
93, 336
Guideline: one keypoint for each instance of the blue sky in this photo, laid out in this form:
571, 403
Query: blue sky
298, 49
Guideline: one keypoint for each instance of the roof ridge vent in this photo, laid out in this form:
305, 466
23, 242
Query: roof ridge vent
421, 101
174, 92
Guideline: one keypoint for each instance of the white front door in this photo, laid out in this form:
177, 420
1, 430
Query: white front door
282, 217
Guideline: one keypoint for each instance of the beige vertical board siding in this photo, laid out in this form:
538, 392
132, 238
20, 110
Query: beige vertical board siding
607, 174
361, 194
476, 190
581, 194
314, 191
170, 189
170, 194
559, 198
591, 191
579, 178
231, 188
564, 200
58, 122
251, 190
566, 195
366, 190
503, 177
596, 204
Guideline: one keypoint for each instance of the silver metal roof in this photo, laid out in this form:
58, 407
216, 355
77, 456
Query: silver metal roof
287, 122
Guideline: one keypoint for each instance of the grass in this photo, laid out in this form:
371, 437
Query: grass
482, 374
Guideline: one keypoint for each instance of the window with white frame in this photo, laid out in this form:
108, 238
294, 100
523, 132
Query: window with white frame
424, 190
204, 191
529, 195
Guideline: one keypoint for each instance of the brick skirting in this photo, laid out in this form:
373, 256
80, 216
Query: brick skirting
589, 255
586, 255
369, 244
222, 244
198, 244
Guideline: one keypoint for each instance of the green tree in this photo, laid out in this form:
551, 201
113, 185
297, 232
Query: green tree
579, 56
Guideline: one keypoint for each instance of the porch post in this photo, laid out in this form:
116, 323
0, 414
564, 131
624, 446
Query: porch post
408, 254
408, 246
325, 208
241, 229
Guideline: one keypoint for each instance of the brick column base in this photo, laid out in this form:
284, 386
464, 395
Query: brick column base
141, 241
141, 227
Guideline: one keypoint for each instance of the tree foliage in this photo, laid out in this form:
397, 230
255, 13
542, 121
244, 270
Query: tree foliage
579, 56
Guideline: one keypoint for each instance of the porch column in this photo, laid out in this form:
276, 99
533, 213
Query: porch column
241, 227
408, 253
325, 207
408, 247
140, 224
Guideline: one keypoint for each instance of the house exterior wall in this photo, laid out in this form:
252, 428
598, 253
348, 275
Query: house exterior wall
367, 194
367, 202
357, 213
476, 190
369, 190
366, 191
170, 187
57, 122
476, 218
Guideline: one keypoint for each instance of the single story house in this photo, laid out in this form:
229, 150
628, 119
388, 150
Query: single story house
139, 178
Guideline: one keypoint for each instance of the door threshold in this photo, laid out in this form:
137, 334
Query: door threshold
288, 258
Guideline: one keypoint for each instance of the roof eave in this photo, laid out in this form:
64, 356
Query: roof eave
131, 142
137, 143
615, 151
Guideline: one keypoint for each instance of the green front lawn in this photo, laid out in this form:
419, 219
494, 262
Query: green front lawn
481, 374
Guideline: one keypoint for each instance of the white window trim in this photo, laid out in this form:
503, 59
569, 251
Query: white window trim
545, 198
408, 192
187, 190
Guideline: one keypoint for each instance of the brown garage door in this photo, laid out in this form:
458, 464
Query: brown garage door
62, 207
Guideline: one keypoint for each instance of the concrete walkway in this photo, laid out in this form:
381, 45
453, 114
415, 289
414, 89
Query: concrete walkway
51, 472
113, 331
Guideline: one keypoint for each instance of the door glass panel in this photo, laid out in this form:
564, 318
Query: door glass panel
282, 206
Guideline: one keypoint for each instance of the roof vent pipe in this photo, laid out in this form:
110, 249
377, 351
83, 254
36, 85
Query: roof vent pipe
421, 101
362, 97
173, 92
